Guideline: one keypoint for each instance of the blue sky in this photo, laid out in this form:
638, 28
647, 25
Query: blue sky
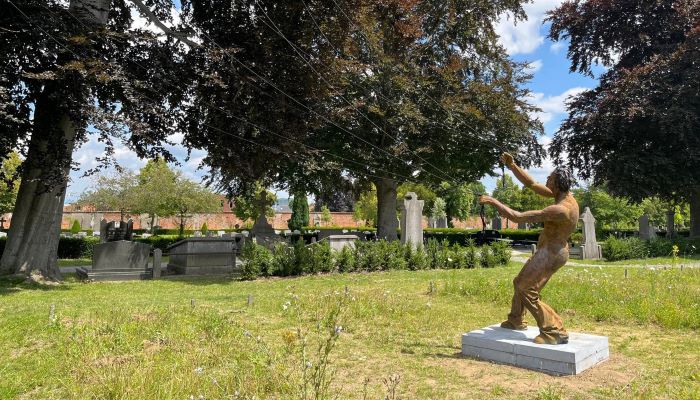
526, 41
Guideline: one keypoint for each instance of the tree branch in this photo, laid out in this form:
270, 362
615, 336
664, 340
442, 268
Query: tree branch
152, 18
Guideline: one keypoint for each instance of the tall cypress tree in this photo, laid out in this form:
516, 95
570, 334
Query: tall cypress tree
300, 212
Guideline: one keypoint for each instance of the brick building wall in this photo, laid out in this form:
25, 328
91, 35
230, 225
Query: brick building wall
225, 220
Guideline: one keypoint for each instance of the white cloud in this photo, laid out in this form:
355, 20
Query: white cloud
552, 106
534, 66
525, 36
556, 46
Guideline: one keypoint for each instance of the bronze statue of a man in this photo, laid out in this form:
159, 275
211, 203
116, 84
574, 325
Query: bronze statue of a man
552, 250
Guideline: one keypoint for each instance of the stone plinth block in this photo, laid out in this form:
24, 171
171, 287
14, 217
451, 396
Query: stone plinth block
517, 348
338, 242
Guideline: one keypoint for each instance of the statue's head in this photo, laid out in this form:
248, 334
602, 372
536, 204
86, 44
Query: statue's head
560, 180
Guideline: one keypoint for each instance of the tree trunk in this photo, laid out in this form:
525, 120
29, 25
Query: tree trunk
182, 225
387, 223
32, 241
695, 213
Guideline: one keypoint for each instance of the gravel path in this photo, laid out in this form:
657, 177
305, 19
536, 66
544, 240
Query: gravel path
522, 256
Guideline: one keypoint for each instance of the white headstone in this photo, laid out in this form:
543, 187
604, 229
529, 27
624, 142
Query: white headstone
412, 220
591, 248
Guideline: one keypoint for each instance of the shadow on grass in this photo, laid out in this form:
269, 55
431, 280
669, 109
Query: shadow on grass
14, 284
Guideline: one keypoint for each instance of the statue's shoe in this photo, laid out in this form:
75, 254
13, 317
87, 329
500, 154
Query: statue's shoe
551, 338
510, 325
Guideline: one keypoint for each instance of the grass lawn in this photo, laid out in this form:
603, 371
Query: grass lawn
197, 338
695, 259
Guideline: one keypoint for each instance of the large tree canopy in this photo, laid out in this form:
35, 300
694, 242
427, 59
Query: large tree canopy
66, 67
637, 132
426, 94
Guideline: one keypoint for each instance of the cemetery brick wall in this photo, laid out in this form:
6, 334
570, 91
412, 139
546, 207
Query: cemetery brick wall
225, 220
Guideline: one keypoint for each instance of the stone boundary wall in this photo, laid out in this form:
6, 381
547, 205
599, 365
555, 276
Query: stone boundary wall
226, 220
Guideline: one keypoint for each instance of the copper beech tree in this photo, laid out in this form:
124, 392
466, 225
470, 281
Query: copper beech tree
637, 131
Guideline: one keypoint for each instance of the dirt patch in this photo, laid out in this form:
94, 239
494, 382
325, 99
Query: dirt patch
614, 374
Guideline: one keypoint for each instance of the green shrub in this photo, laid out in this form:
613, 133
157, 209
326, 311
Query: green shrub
471, 254
257, 260
487, 259
501, 252
77, 247
576, 238
396, 257
379, 255
615, 249
321, 257
344, 260
282, 260
303, 262
204, 229
75, 228
417, 259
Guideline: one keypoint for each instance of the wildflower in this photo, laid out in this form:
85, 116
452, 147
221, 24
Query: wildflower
214, 381
428, 304
247, 334
198, 370
338, 329
286, 305
308, 364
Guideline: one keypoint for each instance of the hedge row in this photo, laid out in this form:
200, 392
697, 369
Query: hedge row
301, 259
615, 249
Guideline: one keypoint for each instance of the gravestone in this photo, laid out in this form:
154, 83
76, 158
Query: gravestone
202, 256
441, 222
338, 242
197, 234
412, 220
3, 234
522, 225
670, 224
591, 250
117, 261
646, 230
262, 231
115, 230
496, 224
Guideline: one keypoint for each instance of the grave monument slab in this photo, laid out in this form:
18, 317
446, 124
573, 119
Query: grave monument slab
202, 256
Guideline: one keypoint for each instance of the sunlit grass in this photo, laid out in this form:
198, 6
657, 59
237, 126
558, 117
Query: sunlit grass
172, 339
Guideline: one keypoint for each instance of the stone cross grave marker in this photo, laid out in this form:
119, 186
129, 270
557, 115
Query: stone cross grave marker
591, 248
496, 223
262, 231
412, 220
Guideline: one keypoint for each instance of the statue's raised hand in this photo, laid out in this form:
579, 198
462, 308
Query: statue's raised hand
507, 159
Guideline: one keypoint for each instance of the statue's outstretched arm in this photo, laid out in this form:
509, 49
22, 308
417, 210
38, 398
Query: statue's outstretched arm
548, 214
524, 177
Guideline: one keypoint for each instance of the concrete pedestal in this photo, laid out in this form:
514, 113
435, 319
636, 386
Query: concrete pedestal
517, 348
